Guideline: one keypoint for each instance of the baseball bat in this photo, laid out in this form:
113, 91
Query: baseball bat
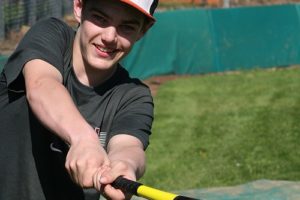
138, 189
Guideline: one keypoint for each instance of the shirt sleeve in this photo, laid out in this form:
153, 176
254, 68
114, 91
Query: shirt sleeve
135, 115
48, 40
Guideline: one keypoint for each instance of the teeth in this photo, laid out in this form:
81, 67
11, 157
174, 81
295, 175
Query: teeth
105, 50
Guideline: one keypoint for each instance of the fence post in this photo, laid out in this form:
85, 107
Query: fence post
226, 3
2, 25
57, 8
31, 12
67, 7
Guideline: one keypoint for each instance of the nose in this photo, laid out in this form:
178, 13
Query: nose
109, 34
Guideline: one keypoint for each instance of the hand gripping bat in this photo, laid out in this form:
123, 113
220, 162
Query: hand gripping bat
147, 192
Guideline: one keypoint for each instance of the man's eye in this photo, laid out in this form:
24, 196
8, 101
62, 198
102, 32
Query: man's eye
128, 28
99, 19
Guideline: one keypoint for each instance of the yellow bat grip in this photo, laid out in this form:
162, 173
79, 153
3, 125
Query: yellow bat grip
154, 194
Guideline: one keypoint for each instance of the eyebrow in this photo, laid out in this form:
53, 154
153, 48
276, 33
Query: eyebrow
131, 21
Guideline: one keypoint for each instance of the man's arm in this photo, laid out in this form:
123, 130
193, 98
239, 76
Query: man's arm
127, 157
130, 150
54, 107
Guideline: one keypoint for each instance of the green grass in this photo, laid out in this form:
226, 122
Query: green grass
222, 130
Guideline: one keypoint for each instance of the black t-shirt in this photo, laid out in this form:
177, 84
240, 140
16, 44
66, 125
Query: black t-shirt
31, 157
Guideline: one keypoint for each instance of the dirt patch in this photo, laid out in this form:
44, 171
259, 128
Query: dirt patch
155, 82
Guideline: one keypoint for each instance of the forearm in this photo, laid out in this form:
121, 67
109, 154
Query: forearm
131, 153
53, 106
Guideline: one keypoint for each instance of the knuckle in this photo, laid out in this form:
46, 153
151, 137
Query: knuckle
69, 166
79, 163
72, 165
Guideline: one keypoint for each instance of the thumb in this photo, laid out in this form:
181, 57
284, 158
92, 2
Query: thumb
97, 176
107, 177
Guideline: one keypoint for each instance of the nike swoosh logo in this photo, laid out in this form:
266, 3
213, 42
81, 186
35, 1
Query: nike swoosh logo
53, 148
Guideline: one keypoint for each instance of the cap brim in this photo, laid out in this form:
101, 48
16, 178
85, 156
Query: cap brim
138, 8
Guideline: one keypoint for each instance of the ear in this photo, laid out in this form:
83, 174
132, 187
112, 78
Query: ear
77, 9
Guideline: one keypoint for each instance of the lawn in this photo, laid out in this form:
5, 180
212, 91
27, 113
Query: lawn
224, 130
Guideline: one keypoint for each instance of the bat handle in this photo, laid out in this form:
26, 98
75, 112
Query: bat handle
132, 187
126, 185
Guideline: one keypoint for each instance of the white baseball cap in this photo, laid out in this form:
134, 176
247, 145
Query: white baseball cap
147, 7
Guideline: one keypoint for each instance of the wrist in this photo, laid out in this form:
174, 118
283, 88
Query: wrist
87, 134
128, 166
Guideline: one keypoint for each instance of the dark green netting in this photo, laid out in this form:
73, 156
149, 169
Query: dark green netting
197, 41
2, 61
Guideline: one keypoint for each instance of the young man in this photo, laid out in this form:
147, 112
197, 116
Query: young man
63, 93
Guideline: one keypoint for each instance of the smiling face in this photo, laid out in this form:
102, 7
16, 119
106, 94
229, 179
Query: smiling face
108, 29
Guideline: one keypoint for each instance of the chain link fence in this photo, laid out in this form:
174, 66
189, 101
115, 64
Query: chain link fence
18, 14
14, 14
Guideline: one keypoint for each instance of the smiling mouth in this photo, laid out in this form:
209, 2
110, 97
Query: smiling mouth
105, 50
